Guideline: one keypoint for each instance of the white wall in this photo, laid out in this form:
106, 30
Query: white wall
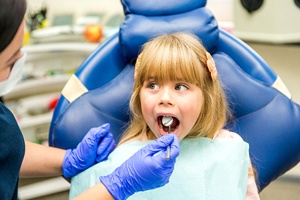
222, 9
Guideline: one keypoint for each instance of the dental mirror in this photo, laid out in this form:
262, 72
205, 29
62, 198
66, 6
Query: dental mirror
167, 121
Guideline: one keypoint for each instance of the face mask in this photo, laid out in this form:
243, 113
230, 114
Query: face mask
14, 76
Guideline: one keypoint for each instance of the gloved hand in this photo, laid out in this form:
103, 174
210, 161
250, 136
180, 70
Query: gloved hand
94, 147
146, 169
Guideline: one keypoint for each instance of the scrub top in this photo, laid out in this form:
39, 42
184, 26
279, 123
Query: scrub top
12, 150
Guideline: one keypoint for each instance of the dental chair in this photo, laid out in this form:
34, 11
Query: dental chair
264, 114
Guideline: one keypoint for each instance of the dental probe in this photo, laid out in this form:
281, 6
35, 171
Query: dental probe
167, 121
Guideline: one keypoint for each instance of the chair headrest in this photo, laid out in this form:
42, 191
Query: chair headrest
159, 7
144, 21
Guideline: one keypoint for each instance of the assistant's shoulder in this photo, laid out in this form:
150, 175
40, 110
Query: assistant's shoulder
223, 133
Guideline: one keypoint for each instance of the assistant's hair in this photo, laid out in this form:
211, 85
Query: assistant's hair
174, 57
12, 13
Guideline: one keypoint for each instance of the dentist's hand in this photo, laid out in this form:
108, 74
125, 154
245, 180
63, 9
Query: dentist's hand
146, 169
94, 147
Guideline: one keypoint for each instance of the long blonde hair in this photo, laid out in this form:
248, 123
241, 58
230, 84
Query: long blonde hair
171, 57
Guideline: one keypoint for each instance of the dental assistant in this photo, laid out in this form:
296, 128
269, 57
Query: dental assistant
19, 158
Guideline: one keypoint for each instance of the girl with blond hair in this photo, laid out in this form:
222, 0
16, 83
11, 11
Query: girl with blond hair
176, 78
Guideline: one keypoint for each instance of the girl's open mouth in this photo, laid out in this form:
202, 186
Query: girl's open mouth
173, 126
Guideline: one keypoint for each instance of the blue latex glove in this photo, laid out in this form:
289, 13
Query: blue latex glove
146, 169
94, 147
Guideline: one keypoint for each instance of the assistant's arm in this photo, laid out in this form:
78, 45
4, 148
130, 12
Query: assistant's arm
42, 160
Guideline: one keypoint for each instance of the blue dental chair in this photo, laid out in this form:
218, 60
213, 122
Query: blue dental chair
99, 92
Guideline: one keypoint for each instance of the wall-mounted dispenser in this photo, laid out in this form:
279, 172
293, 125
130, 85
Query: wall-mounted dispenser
267, 21
252, 5
297, 2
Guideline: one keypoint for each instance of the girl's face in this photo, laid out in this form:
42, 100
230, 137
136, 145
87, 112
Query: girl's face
179, 99
11, 53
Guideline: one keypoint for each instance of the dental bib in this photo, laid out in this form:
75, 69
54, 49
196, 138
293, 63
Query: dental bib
205, 169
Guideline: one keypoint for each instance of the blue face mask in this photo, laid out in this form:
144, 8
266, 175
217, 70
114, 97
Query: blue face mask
15, 75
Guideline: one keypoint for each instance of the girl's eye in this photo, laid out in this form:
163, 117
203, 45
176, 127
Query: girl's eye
181, 87
152, 85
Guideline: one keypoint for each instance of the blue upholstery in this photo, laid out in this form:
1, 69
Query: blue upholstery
265, 118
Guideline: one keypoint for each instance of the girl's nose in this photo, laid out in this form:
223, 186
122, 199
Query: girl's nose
166, 96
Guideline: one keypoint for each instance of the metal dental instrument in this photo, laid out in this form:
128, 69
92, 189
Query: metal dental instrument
167, 121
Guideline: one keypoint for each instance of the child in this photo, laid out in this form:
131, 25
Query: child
176, 77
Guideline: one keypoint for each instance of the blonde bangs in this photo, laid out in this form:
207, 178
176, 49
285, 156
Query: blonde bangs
170, 61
